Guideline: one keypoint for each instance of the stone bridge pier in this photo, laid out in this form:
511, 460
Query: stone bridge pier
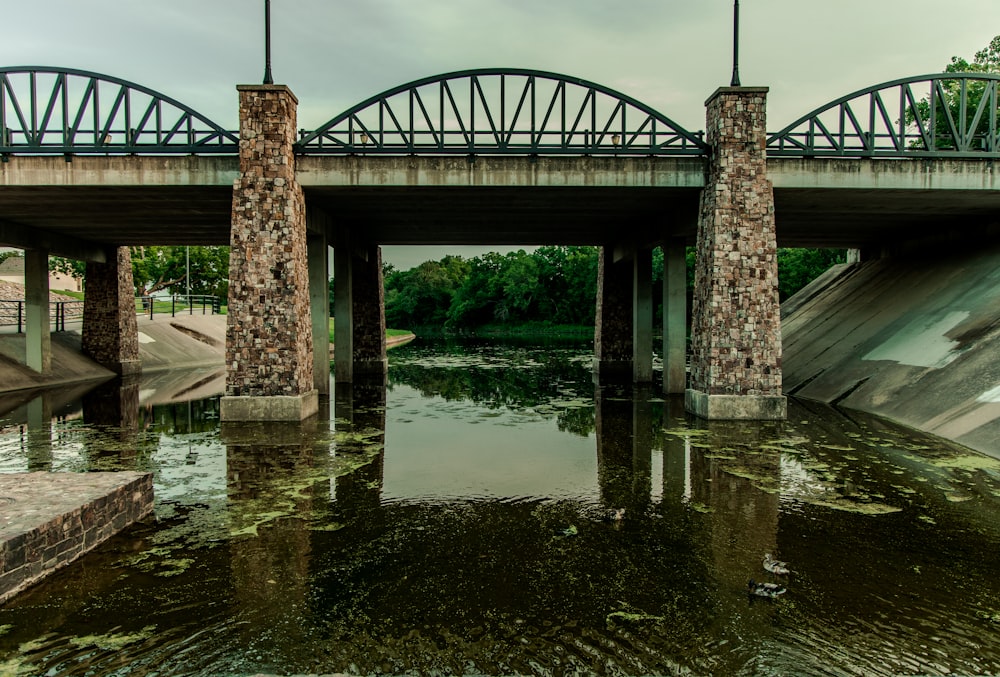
736, 324
269, 328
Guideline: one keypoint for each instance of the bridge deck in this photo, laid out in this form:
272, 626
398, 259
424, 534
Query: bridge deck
135, 200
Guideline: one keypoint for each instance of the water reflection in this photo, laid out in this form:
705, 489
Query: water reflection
461, 519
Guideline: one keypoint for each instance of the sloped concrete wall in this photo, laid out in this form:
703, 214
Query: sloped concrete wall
915, 339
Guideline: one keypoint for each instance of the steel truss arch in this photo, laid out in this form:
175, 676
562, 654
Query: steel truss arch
494, 111
45, 110
937, 115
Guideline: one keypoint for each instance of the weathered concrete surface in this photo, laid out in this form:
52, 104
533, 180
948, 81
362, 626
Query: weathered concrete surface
913, 339
164, 343
47, 520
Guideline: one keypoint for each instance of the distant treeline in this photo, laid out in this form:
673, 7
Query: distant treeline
548, 286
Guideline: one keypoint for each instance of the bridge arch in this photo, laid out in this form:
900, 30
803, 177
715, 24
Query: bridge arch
494, 111
45, 110
937, 115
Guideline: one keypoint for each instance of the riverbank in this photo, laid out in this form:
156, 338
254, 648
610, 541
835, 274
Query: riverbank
165, 343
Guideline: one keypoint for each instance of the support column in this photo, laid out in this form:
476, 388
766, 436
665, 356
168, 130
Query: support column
736, 328
369, 314
269, 348
343, 307
642, 316
37, 328
613, 338
110, 329
319, 303
674, 317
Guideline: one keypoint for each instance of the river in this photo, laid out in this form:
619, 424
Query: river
491, 511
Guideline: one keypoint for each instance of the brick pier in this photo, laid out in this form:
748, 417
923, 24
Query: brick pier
110, 329
736, 325
269, 346
47, 520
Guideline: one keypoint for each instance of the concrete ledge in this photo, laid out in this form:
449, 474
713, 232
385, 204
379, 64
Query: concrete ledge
47, 520
736, 407
269, 407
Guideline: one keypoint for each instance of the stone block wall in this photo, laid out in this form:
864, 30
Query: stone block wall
47, 520
369, 314
269, 331
613, 339
110, 330
736, 329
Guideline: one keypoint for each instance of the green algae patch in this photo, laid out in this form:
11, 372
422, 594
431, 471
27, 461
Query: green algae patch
854, 506
700, 507
969, 462
13, 667
631, 617
4, 629
113, 641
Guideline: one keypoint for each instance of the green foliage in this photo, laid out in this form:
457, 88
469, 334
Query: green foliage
158, 268
986, 60
422, 296
9, 255
799, 267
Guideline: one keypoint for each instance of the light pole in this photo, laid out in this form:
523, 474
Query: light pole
268, 80
735, 82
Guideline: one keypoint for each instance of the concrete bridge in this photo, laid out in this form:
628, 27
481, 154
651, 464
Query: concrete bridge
92, 165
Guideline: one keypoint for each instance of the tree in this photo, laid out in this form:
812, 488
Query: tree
948, 112
157, 268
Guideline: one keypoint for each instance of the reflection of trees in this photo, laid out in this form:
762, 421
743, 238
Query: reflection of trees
513, 374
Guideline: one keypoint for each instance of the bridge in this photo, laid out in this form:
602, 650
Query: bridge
92, 163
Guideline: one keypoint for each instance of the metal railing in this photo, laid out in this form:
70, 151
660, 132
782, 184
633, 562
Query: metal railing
179, 303
13, 313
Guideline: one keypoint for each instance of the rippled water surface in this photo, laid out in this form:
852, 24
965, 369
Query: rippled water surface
462, 521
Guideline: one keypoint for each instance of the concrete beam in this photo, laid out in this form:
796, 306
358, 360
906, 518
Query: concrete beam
493, 171
674, 317
67, 246
121, 170
343, 308
642, 316
870, 174
319, 306
38, 337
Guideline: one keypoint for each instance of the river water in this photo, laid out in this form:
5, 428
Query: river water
492, 512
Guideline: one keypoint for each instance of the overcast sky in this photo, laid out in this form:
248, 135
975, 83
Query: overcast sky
670, 54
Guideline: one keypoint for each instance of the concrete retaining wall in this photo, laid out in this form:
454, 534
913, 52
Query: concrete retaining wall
915, 339
47, 520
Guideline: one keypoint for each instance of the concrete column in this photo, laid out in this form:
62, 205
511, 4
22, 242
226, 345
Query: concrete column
110, 329
369, 315
269, 348
736, 327
613, 338
674, 317
642, 316
37, 327
319, 304
343, 307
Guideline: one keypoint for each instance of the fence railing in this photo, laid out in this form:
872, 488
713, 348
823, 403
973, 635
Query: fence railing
13, 313
179, 303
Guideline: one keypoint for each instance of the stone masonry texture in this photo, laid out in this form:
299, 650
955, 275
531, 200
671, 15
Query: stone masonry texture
369, 313
736, 327
268, 330
613, 323
47, 520
110, 330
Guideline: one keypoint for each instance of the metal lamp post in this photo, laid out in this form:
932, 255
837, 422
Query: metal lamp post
735, 82
268, 80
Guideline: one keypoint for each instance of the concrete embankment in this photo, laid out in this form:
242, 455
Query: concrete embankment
915, 339
165, 344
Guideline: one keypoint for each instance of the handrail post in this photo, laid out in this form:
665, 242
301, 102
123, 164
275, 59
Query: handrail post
20, 316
